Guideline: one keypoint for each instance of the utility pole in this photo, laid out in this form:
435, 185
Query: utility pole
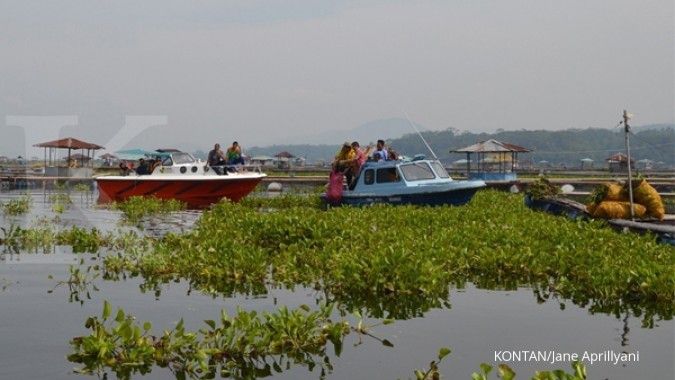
626, 117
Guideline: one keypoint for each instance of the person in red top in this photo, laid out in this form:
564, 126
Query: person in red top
361, 155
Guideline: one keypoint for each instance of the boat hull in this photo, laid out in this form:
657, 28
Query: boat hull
455, 197
197, 193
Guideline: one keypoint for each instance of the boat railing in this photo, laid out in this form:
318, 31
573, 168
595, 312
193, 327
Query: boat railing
222, 169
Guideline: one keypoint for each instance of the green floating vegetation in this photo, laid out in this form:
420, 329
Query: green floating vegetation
503, 372
282, 201
542, 188
136, 208
82, 187
246, 345
60, 202
399, 261
17, 206
80, 282
62, 198
43, 238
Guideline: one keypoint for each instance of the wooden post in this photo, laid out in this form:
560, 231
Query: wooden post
626, 117
468, 164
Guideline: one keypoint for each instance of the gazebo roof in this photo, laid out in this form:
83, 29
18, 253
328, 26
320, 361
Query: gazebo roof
68, 143
284, 154
619, 157
491, 146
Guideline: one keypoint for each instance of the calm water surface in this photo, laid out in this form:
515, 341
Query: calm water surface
36, 326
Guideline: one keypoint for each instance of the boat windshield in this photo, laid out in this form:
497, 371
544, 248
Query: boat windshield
439, 169
417, 171
182, 158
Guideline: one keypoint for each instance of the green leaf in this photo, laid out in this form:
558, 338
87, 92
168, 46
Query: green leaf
485, 368
147, 326
443, 352
106, 310
506, 373
211, 323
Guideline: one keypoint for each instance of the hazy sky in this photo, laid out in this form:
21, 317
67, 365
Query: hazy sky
269, 71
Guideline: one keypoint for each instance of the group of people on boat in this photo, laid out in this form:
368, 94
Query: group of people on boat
352, 157
144, 166
219, 160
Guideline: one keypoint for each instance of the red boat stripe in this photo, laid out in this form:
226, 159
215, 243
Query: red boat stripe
130, 187
161, 186
189, 187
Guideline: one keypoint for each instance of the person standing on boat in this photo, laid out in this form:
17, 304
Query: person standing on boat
360, 158
234, 155
361, 155
382, 150
344, 159
216, 159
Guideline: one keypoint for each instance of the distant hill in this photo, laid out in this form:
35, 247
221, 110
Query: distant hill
558, 147
365, 133
654, 142
324, 145
652, 127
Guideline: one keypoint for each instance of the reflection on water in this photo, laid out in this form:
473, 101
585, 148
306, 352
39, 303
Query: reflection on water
83, 211
475, 324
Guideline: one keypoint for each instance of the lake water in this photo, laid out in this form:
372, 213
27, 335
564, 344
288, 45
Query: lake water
36, 326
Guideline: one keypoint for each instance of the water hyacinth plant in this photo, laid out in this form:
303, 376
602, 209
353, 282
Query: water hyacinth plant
398, 262
246, 345
43, 237
17, 206
135, 208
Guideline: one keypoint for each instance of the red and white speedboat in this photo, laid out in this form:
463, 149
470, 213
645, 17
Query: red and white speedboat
180, 176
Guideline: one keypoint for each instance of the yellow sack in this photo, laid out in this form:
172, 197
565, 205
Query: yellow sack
614, 192
646, 195
618, 210
608, 192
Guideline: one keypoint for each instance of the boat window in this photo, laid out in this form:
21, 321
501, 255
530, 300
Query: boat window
386, 175
439, 169
369, 177
182, 158
167, 161
417, 171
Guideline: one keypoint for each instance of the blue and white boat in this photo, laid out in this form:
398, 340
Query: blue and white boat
417, 182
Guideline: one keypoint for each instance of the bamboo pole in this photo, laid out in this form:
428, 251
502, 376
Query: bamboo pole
626, 117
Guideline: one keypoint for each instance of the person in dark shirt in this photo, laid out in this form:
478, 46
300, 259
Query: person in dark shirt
216, 159
142, 168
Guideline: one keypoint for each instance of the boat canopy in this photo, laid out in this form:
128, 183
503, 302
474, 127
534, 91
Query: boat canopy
136, 154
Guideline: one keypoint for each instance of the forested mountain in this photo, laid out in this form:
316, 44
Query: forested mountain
566, 146
656, 143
